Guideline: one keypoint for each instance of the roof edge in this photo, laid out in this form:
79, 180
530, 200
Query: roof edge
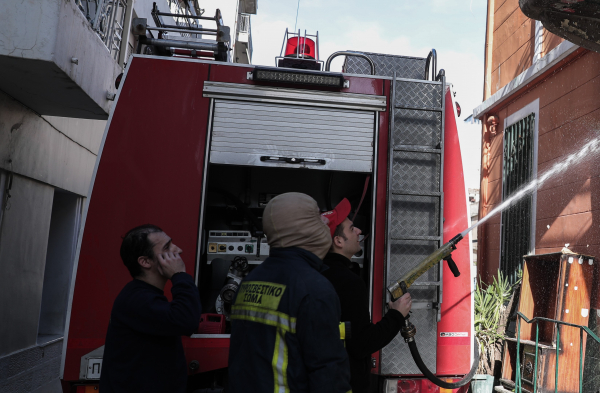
556, 55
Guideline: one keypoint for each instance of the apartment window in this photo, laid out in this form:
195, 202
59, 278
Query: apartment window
244, 23
65, 223
517, 171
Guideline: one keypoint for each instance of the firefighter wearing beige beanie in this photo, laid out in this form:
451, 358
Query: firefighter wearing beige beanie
293, 220
285, 319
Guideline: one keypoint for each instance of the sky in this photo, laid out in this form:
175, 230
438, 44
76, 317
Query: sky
454, 28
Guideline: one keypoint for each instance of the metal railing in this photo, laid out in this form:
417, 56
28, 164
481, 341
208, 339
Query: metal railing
107, 18
518, 382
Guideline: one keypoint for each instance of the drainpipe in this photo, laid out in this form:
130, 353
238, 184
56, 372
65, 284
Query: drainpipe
489, 45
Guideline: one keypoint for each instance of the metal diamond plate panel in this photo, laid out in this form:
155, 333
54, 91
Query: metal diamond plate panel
417, 124
415, 215
417, 172
406, 254
422, 128
385, 65
396, 358
418, 95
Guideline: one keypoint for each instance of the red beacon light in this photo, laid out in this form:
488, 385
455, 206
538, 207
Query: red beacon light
299, 51
300, 47
299, 64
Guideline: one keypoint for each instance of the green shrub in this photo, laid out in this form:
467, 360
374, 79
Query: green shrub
490, 303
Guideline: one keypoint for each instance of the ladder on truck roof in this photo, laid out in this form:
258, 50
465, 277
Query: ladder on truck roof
414, 193
188, 41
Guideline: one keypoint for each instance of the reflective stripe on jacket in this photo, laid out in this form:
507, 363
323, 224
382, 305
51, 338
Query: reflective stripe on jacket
285, 334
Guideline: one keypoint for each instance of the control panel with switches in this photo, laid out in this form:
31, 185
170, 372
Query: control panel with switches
231, 244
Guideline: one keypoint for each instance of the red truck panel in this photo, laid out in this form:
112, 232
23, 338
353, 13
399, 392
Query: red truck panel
454, 353
159, 124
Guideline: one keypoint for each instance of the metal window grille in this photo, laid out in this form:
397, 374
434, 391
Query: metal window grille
517, 171
244, 23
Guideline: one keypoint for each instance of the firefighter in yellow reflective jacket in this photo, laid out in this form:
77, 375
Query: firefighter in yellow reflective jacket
285, 334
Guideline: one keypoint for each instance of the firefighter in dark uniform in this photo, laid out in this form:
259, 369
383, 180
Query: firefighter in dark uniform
366, 337
285, 334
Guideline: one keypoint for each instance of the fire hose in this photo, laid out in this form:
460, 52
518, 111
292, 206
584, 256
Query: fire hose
408, 331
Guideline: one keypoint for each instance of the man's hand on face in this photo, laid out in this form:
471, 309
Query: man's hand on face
170, 263
403, 304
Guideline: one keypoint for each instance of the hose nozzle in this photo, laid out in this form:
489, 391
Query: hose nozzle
455, 239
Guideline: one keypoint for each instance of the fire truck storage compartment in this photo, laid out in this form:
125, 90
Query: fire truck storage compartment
232, 221
267, 141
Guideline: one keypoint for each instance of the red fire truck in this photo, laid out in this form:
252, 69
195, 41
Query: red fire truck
199, 146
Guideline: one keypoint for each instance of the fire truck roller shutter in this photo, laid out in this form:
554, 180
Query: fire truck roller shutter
265, 134
282, 127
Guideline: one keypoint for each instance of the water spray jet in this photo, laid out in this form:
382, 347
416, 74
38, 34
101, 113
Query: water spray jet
400, 286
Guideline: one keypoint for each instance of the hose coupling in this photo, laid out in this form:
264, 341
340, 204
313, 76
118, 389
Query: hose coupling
408, 331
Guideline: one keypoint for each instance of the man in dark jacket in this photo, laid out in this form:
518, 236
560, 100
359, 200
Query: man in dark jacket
143, 350
366, 337
285, 333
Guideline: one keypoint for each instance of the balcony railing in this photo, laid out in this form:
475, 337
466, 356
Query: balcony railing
570, 367
107, 18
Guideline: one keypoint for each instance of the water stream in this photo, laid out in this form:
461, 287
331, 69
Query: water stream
589, 149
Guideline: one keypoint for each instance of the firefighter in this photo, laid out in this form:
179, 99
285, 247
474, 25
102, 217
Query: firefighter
365, 337
285, 333
143, 350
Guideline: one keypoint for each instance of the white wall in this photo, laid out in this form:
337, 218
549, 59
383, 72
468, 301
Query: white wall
56, 151
23, 243
469, 136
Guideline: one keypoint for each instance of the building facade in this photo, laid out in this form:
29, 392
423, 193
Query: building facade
59, 62
237, 15
474, 215
541, 107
